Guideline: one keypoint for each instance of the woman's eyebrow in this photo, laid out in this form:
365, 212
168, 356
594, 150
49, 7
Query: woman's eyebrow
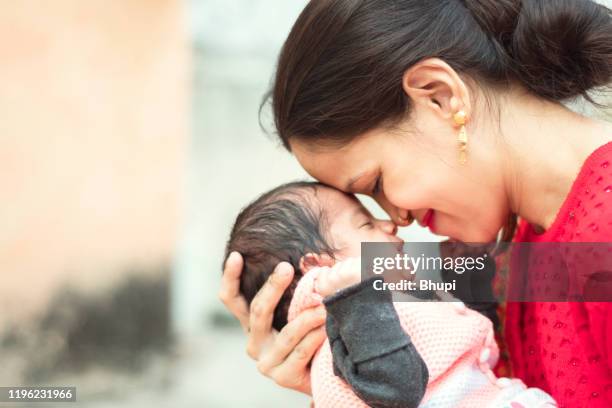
353, 180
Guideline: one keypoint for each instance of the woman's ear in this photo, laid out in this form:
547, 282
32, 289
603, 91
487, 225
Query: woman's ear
310, 260
433, 84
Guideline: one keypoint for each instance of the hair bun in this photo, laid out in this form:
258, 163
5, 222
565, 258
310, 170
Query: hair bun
563, 48
558, 49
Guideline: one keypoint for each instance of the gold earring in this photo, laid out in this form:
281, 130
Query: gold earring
460, 120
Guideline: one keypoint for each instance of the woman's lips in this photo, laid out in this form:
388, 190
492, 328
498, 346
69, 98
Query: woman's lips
428, 219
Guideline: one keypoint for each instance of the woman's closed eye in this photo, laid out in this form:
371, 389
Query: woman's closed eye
377, 186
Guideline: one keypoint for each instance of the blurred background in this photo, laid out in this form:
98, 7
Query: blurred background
130, 140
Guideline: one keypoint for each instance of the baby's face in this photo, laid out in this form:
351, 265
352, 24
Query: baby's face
351, 223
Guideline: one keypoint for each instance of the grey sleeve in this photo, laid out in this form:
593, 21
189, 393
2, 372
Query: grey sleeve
371, 351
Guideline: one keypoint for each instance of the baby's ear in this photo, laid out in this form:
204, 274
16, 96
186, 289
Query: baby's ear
310, 260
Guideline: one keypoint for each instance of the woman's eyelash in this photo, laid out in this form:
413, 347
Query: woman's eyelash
376, 188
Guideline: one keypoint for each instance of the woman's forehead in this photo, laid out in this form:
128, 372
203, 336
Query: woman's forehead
336, 167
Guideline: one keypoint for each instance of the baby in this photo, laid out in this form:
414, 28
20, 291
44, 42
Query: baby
377, 353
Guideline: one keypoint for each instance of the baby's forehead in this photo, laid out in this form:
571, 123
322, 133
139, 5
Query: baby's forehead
334, 201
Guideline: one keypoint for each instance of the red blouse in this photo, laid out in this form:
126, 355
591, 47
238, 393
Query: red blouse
566, 348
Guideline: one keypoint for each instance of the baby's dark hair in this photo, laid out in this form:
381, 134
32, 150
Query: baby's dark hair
283, 224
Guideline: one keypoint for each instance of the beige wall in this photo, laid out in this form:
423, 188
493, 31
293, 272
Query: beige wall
93, 131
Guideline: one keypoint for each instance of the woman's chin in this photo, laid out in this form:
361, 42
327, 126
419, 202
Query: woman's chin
470, 235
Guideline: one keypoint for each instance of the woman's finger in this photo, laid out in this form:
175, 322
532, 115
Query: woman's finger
302, 354
229, 293
262, 307
294, 373
290, 337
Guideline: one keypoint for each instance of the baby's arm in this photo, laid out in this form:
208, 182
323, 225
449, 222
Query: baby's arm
371, 351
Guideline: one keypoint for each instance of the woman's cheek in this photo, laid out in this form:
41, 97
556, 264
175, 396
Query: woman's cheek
408, 198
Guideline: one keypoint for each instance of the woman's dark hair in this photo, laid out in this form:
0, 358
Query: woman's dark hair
340, 71
283, 224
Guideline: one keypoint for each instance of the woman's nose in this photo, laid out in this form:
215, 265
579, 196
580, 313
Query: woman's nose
387, 226
399, 216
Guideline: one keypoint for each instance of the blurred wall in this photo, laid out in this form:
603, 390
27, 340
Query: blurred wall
231, 159
94, 122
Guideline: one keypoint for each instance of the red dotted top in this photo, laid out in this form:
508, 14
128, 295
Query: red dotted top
566, 348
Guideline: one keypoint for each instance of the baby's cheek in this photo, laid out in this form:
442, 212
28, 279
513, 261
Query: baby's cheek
353, 247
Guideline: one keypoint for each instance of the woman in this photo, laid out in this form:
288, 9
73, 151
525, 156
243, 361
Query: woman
449, 112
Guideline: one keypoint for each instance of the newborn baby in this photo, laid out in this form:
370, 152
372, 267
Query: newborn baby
378, 353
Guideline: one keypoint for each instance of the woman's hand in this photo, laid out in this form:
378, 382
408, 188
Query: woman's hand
284, 357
